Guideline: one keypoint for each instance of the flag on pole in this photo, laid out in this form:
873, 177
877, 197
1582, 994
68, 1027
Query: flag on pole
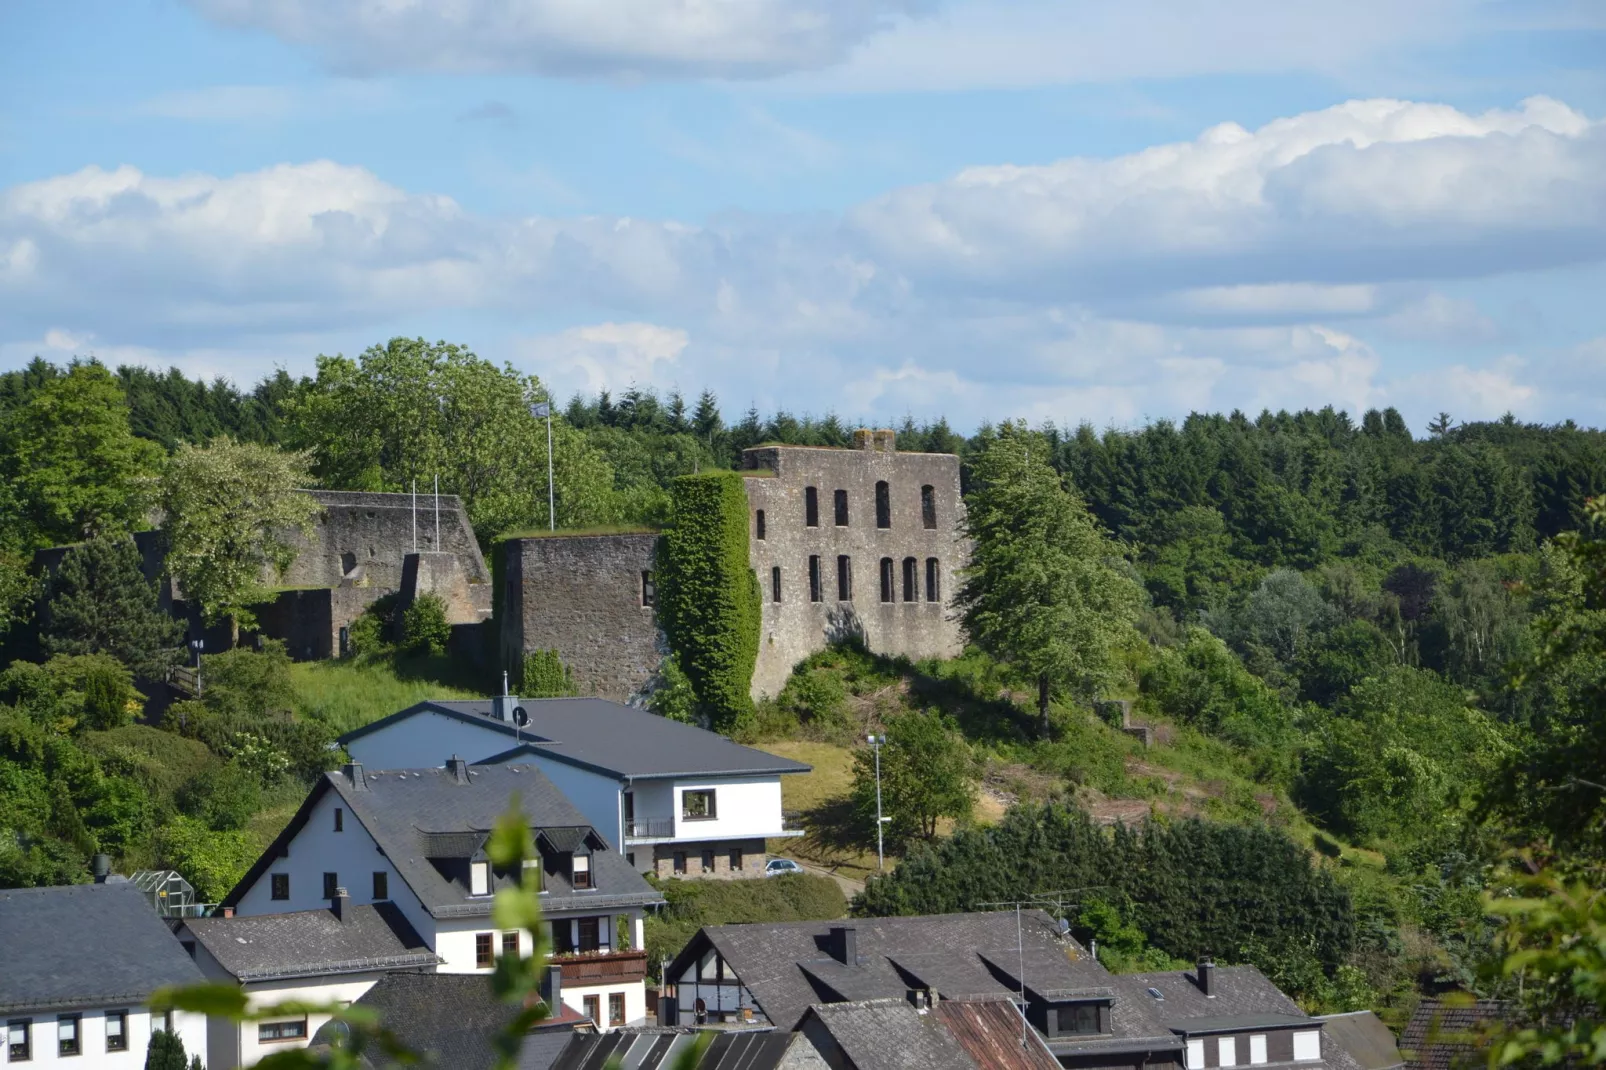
540, 409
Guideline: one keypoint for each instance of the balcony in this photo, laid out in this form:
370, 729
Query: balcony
600, 967
651, 828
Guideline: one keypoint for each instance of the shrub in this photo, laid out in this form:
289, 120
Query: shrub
425, 628
693, 904
817, 697
212, 861
545, 676
673, 696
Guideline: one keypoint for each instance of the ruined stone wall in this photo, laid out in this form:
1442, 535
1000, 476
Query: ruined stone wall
442, 575
582, 595
363, 539
309, 621
797, 625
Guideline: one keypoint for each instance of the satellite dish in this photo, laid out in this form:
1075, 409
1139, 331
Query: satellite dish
1065, 926
521, 716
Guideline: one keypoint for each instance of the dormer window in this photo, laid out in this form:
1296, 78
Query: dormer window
1078, 1019
479, 878
582, 871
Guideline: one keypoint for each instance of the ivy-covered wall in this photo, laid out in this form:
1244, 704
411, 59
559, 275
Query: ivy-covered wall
708, 598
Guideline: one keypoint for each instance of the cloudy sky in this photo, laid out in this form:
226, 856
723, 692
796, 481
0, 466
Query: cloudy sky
1103, 210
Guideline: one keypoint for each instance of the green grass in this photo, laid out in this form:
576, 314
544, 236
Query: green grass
572, 533
350, 693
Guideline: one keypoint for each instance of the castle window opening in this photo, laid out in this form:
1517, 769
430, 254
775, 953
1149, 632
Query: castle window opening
883, 504
841, 508
775, 583
348, 563
844, 578
911, 580
814, 578
933, 581
811, 507
758, 525
649, 589
888, 590
928, 506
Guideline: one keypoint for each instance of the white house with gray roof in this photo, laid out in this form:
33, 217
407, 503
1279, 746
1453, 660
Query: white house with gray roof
416, 839
676, 800
78, 965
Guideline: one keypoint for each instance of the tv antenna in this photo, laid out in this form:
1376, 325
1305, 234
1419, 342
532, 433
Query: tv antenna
1041, 901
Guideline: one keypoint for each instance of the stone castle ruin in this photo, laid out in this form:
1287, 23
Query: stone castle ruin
844, 542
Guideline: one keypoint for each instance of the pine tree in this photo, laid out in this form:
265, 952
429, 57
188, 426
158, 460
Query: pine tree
99, 602
166, 1052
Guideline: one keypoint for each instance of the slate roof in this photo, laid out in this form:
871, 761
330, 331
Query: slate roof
605, 737
887, 1034
310, 943
990, 1033
85, 945
1443, 1036
1240, 993
407, 810
788, 966
657, 1049
1362, 1036
451, 1018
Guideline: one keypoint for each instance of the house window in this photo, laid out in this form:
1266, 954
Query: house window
680, 862
510, 945
736, 859
1257, 1049
883, 505
483, 957
1195, 1056
811, 507
67, 1035
616, 1008
340, 820
841, 499
562, 937
295, 1029
708, 861
814, 578
698, 805
888, 583
331, 885
479, 878
280, 885
590, 934
928, 506
775, 583
758, 525
535, 873
582, 871
161, 1021
844, 578
911, 580
19, 1040
649, 589
116, 1030
1077, 1019
1307, 1046
933, 581
381, 886
1226, 1051
593, 1008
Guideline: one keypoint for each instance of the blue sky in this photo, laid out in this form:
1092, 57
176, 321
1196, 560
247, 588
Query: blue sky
1060, 211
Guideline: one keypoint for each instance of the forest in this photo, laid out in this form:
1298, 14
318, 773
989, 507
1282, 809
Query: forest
1380, 649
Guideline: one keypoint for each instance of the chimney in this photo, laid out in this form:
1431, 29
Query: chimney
340, 904
552, 989
458, 768
502, 705
101, 867
354, 776
845, 944
227, 912
1205, 973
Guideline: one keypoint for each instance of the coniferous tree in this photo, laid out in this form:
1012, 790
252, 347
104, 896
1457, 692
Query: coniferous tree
166, 1052
99, 602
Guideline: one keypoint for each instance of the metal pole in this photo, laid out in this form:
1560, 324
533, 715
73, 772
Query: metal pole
1020, 949
880, 822
551, 511
415, 516
437, 513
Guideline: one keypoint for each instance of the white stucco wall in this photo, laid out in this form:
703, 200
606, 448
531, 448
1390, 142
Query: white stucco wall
746, 807
191, 1029
425, 740
635, 1001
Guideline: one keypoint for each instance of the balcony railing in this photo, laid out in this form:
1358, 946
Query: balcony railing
792, 821
593, 966
651, 828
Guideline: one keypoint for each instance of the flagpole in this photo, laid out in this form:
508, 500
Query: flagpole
437, 513
538, 410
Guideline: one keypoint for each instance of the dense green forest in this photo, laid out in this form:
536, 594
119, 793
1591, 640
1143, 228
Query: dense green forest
1380, 647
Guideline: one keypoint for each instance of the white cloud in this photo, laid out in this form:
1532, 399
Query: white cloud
586, 38
606, 356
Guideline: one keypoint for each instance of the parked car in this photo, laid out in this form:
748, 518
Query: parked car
780, 867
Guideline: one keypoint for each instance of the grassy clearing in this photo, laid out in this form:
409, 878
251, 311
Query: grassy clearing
350, 693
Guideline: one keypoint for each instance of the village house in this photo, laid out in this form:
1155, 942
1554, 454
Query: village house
416, 839
674, 799
78, 965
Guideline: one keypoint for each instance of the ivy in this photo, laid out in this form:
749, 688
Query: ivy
545, 676
708, 598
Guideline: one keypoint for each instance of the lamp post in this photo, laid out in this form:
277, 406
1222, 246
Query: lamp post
197, 645
880, 822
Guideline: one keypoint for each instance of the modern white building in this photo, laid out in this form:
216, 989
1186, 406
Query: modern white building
329, 957
677, 800
78, 965
416, 839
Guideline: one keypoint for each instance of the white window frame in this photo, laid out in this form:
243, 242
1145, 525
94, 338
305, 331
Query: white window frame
1308, 1046
121, 1018
1257, 1049
479, 878
19, 1028
1226, 1051
1196, 1058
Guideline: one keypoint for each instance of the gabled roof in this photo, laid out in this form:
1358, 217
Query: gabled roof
659, 1049
1239, 992
1442, 1034
604, 737
412, 812
85, 945
311, 943
990, 1032
1364, 1038
884, 1034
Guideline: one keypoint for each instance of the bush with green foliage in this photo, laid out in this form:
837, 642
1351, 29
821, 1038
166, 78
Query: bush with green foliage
212, 860
927, 773
692, 904
425, 629
545, 676
1202, 684
73, 692
672, 695
708, 598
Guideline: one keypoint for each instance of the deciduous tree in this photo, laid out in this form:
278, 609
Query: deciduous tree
927, 773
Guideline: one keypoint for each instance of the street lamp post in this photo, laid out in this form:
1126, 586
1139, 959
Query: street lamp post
197, 645
880, 822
